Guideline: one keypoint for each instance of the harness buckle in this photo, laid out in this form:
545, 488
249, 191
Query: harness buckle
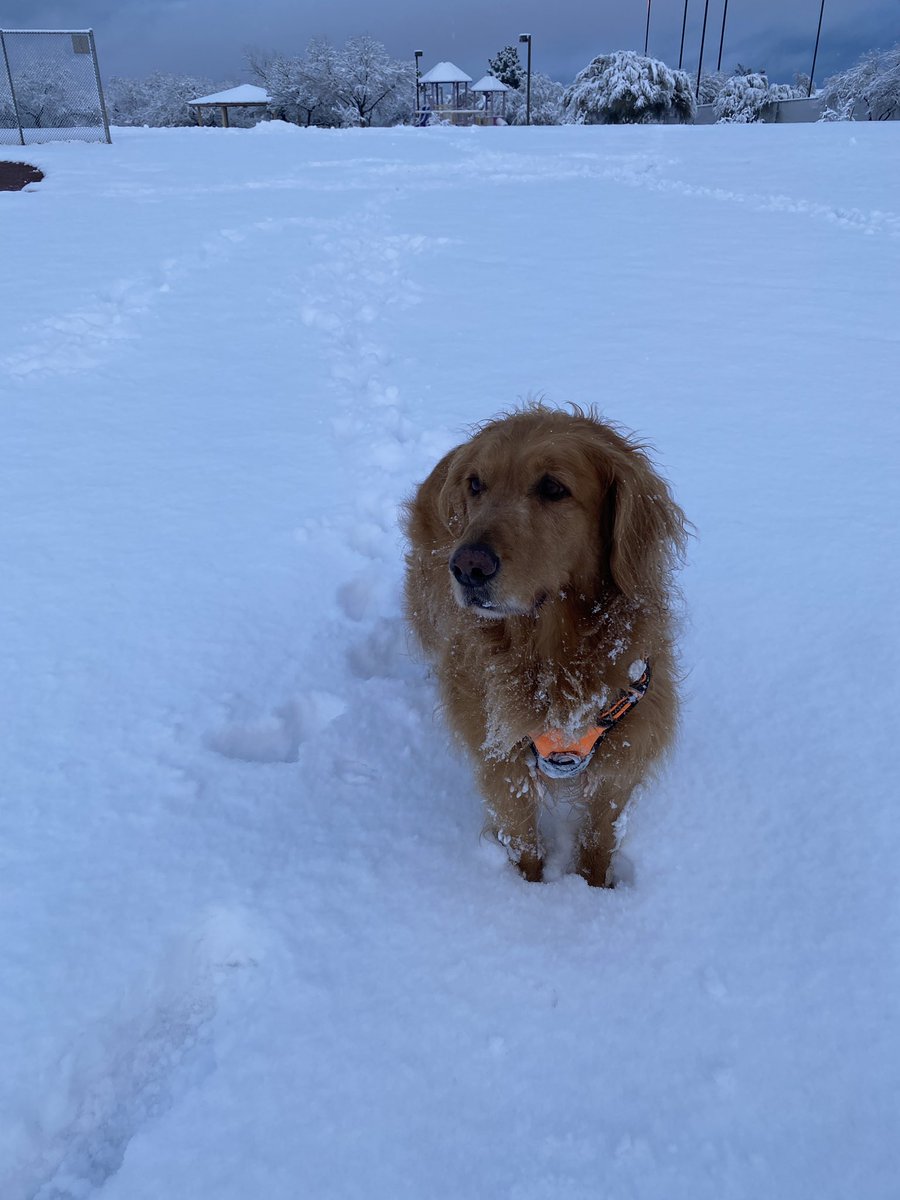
562, 764
559, 758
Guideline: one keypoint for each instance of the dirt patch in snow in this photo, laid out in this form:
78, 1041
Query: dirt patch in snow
15, 175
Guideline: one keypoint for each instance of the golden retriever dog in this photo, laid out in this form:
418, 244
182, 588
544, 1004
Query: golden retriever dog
539, 583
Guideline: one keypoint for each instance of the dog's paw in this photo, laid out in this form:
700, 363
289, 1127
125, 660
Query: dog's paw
595, 867
597, 870
530, 866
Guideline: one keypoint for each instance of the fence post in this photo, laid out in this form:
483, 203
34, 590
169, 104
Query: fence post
90, 33
12, 90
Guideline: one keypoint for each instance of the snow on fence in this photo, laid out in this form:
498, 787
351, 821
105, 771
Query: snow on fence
50, 87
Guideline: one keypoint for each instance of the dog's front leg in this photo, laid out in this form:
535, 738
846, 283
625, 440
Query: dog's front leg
511, 798
604, 802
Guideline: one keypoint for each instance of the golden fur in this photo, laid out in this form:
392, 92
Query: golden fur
586, 535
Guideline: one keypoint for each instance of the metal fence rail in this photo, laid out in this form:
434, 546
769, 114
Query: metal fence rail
50, 87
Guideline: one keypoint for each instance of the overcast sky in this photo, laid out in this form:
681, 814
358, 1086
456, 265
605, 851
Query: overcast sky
209, 37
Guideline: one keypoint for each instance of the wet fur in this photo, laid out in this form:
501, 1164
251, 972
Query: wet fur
583, 591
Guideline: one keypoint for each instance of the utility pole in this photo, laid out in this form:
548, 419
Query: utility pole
722, 38
702, 40
647, 30
683, 27
816, 51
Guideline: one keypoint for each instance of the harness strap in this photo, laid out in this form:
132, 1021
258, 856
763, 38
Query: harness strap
560, 757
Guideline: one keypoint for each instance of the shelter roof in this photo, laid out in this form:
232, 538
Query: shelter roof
445, 72
245, 93
489, 83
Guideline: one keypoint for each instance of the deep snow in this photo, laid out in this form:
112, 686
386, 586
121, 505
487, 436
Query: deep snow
252, 946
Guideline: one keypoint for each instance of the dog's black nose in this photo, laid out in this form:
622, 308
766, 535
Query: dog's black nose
474, 565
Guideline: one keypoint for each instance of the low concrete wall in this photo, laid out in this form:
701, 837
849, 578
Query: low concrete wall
781, 112
791, 112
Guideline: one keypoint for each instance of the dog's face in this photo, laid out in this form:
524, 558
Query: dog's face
525, 500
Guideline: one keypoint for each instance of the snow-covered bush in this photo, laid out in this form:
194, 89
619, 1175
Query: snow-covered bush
783, 91
711, 84
546, 102
625, 88
742, 98
871, 86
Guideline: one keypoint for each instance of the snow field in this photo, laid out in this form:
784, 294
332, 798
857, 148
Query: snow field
253, 944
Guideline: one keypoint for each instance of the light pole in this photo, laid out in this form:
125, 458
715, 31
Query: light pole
812, 71
722, 37
647, 30
683, 27
702, 40
526, 37
418, 54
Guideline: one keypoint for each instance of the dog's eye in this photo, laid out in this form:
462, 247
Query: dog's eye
549, 488
476, 487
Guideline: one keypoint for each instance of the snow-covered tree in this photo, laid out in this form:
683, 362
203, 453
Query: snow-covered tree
300, 90
625, 88
357, 84
43, 98
711, 83
162, 99
370, 87
546, 102
742, 99
506, 67
871, 86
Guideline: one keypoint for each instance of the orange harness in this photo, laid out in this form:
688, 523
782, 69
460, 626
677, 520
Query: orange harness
559, 757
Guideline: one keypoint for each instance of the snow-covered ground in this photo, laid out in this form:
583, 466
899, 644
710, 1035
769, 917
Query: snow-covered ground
252, 946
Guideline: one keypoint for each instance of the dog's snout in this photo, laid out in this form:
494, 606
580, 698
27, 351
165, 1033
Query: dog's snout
474, 565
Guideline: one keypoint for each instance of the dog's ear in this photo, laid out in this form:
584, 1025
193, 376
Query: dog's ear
432, 511
646, 527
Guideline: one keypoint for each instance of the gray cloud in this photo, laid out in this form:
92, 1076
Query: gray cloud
209, 37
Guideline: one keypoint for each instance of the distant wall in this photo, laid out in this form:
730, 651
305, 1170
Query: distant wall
782, 112
861, 114
792, 112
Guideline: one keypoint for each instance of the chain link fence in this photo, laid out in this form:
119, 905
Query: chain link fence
50, 87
